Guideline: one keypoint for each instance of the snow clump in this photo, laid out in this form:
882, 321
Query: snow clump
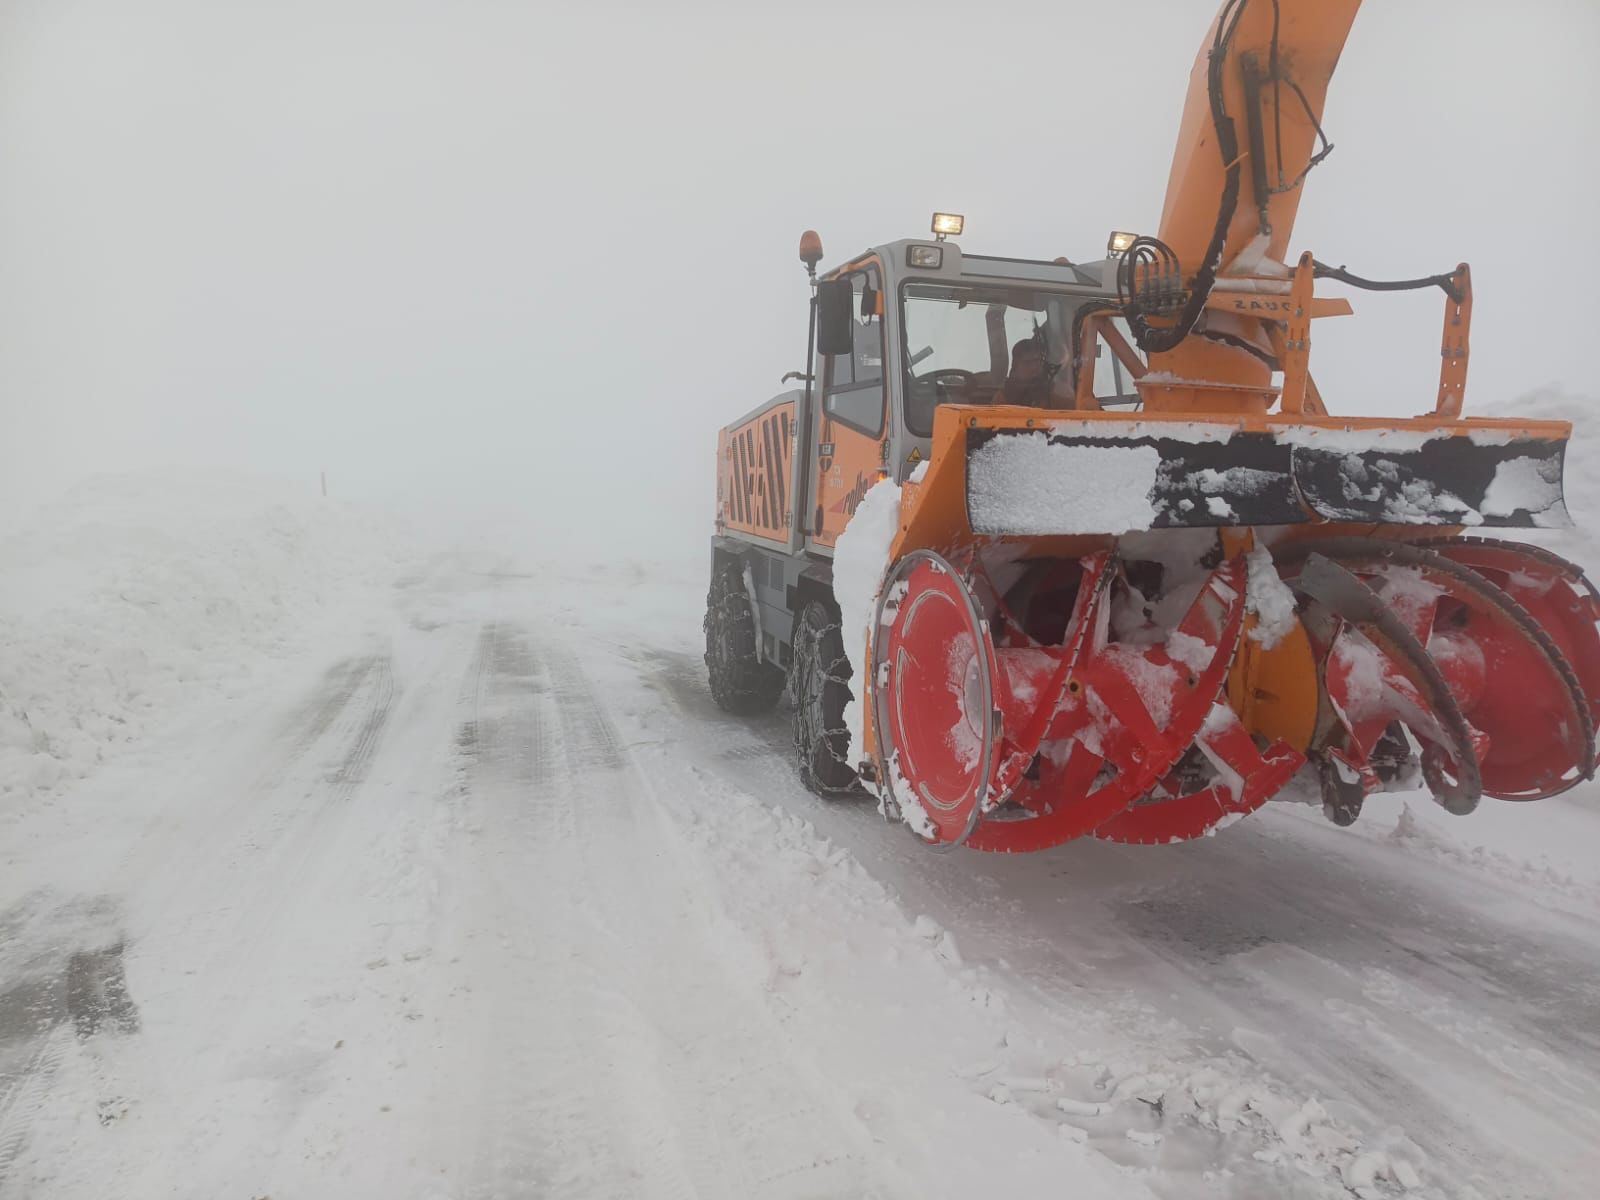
1269, 598
860, 560
1029, 484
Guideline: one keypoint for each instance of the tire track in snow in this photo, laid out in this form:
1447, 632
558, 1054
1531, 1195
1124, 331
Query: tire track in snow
1314, 953
61, 982
30, 1004
352, 769
268, 869
567, 1064
1414, 1023
313, 719
760, 1128
213, 898
507, 734
652, 1068
20, 1103
533, 1128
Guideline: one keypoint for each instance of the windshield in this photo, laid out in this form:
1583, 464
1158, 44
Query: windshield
980, 344
993, 344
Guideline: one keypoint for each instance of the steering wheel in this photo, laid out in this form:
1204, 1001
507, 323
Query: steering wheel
964, 378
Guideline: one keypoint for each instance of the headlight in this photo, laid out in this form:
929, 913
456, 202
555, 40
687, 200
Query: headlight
930, 258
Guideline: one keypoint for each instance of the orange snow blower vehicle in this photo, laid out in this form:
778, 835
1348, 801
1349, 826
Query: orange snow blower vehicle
1047, 549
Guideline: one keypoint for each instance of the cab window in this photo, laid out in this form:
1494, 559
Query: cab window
854, 381
1113, 385
960, 340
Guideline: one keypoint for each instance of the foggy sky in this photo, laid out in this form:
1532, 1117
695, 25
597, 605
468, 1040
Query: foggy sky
524, 259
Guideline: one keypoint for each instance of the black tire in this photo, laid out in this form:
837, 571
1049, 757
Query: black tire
740, 682
821, 675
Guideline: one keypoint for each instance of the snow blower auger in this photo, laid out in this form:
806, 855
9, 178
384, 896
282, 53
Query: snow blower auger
1089, 551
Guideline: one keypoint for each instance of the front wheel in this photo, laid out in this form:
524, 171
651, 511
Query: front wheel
821, 673
740, 682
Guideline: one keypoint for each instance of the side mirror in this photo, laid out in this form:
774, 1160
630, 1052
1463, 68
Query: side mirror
835, 320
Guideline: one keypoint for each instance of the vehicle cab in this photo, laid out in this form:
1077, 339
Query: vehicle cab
915, 324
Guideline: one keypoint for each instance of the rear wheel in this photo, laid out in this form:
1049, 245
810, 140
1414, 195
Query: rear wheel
740, 682
821, 691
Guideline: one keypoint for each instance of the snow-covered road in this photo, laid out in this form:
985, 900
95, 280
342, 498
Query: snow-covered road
494, 902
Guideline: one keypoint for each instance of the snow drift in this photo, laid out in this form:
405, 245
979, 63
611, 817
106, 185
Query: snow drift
133, 595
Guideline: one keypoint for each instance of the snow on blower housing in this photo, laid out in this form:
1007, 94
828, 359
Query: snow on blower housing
1055, 549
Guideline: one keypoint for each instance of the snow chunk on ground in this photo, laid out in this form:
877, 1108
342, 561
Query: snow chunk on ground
1029, 484
860, 559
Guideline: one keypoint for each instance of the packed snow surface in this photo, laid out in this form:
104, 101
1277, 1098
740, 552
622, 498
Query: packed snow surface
390, 872
1026, 483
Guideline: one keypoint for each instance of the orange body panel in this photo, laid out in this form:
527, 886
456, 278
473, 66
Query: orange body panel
754, 468
844, 476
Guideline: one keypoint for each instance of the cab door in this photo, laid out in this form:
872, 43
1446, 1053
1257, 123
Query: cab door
851, 431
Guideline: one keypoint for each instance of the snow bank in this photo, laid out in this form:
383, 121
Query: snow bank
860, 559
135, 595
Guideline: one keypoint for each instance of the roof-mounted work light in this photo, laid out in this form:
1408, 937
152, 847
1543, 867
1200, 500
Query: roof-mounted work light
947, 225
